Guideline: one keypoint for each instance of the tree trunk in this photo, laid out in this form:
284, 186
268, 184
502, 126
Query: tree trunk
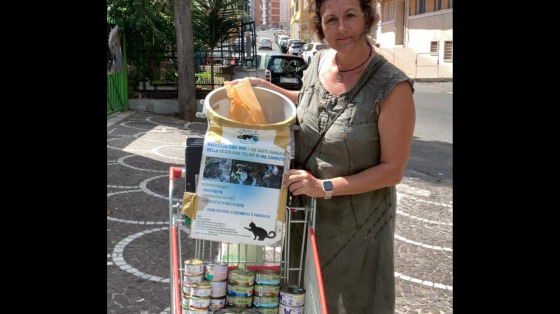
186, 84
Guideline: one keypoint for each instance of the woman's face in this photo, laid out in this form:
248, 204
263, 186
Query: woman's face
343, 24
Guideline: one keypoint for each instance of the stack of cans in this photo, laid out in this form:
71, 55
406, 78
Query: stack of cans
193, 273
266, 291
240, 288
216, 274
292, 300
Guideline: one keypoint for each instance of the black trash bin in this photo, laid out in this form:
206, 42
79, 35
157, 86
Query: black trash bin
193, 154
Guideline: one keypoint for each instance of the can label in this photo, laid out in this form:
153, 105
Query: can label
216, 271
282, 308
271, 310
190, 280
201, 290
265, 301
292, 296
267, 277
239, 291
234, 301
218, 289
199, 303
241, 277
190, 310
217, 303
267, 291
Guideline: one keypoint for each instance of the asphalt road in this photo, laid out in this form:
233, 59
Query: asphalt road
141, 146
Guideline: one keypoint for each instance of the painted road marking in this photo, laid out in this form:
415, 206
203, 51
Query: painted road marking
422, 244
423, 282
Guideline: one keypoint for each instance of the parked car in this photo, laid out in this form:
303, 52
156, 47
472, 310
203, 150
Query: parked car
309, 50
283, 45
282, 37
290, 42
265, 42
295, 48
282, 69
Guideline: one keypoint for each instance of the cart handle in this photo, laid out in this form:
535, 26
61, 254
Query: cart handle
176, 172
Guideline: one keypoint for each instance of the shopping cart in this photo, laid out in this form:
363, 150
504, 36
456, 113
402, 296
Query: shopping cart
294, 267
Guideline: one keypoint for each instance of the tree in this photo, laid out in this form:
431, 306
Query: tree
213, 21
149, 27
186, 85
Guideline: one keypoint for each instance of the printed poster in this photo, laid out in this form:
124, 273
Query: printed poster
239, 188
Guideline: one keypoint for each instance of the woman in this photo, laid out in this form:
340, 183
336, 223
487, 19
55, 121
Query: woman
353, 170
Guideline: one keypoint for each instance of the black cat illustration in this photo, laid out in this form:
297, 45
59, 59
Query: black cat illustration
260, 232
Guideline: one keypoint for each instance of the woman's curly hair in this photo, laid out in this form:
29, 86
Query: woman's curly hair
367, 6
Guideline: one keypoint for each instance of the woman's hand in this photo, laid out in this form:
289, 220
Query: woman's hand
303, 182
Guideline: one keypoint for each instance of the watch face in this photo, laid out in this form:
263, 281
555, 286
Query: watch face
327, 185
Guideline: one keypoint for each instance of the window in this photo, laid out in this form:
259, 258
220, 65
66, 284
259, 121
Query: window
434, 48
420, 6
448, 51
385, 13
438, 5
392, 16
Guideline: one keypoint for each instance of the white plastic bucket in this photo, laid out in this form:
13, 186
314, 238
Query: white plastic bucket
277, 108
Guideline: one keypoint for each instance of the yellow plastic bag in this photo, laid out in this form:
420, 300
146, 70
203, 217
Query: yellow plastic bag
245, 107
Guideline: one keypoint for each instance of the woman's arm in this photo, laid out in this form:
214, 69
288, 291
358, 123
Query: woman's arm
396, 127
292, 95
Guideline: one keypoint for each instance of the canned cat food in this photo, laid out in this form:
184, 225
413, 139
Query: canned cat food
190, 310
187, 289
234, 301
241, 277
185, 301
193, 267
217, 303
283, 308
199, 303
267, 291
218, 289
249, 311
264, 310
292, 296
228, 311
268, 302
190, 280
267, 277
239, 291
201, 290
216, 271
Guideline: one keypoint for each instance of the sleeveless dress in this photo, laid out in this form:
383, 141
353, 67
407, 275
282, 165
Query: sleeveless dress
354, 233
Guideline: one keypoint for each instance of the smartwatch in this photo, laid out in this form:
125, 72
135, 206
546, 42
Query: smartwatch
328, 188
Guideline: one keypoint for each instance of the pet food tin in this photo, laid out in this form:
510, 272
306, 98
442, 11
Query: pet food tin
239, 291
241, 277
190, 280
234, 301
218, 288
267, 277
190, 310
217, 303
217, 271
268, 302
267, 291
228, 311
193, 267
264, 310
283, 308
199, 303
292, 296
201, 290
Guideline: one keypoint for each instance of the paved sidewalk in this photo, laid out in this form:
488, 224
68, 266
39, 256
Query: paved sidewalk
142, 146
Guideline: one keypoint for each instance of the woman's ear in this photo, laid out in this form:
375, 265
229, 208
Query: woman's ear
376, 18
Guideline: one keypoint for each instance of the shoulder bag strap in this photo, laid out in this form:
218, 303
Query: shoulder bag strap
322, 134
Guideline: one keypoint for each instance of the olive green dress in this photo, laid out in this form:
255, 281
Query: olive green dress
354, 233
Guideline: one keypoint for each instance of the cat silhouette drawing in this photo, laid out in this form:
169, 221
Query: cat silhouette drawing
260, 232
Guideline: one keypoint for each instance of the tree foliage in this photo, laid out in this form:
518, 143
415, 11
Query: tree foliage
149, 29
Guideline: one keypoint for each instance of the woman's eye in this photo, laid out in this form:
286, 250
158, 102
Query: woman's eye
331, 20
